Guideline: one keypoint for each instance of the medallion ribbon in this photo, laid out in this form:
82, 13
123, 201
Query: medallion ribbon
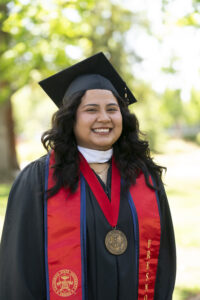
109, 208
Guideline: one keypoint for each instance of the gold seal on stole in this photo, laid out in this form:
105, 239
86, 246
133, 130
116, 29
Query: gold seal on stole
65, 283
116, 242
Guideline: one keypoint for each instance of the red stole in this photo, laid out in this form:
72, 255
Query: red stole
65, 239
145, 202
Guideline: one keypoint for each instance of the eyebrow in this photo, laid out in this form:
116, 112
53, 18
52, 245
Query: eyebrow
96, 105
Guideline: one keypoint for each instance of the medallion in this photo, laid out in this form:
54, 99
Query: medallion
116, 242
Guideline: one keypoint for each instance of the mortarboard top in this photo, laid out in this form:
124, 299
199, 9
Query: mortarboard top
95, 72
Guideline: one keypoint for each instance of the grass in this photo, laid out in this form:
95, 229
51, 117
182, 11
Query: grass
183, 189
185, 209
185, 293
4, 191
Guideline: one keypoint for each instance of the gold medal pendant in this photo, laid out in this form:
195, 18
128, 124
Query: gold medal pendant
116, 242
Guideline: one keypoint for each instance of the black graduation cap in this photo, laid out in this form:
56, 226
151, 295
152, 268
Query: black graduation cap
95, 72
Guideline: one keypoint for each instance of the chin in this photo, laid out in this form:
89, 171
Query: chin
103, 144
102, 147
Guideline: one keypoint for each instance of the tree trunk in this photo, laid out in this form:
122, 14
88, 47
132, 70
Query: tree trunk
8, 158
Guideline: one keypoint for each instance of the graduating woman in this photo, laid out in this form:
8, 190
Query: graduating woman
90, 220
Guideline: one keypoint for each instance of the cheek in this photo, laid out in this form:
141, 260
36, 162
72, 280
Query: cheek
82, 125
118, 122
85, 122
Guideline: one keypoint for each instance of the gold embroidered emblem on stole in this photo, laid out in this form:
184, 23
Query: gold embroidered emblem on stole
65, 283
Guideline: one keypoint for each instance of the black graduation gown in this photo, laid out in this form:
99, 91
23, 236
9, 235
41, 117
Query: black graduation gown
109, 277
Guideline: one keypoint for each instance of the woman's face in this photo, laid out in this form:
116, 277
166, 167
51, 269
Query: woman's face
98, 120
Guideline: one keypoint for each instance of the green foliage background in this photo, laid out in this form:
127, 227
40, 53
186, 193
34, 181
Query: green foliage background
40, 39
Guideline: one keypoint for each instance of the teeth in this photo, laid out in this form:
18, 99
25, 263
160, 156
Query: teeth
101, 130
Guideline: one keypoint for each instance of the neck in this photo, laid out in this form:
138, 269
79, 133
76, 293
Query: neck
101, 170
96, 156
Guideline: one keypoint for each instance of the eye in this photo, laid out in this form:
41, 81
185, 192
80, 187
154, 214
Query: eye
113, 109
91, 110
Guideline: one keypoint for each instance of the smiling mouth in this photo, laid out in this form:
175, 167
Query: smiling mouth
102, 130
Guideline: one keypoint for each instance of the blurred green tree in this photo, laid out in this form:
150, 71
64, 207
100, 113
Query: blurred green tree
183, 115
191, 18
39, 39
192, 109
149, 112
173, 110
7, 141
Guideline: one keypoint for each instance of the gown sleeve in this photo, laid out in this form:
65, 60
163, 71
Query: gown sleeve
166, 271
22, 275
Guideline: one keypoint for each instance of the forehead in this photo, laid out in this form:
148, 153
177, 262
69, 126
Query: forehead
98, 96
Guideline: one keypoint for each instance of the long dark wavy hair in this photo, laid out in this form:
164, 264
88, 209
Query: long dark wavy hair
131, 152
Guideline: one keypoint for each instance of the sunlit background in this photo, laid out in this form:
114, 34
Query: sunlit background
155, 45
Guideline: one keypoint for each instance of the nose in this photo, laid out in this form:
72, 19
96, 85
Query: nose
103, 116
